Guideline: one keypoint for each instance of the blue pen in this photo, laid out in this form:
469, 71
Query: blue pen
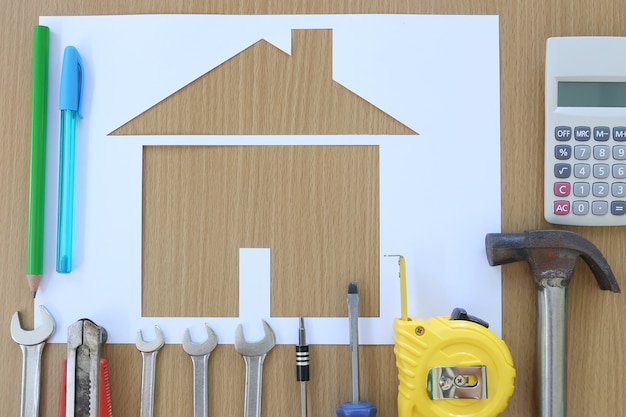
71, 96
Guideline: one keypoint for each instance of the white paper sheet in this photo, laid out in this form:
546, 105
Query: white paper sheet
438, 75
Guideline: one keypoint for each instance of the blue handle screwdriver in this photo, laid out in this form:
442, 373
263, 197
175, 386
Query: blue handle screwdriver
355, 408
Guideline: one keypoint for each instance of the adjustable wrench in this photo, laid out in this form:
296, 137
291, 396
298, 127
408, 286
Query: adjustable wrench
32, 343
199, 353
149, 352
253, 355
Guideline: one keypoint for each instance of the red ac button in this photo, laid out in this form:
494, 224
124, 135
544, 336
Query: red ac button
561, 207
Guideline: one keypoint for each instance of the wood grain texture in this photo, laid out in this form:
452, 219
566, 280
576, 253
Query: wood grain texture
316, 207
596, 326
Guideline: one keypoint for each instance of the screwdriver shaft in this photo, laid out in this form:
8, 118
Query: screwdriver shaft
353, 320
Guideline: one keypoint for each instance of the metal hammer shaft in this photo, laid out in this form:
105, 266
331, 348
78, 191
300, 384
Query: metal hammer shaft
552, 351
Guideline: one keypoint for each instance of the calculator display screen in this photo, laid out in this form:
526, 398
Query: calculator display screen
591, 94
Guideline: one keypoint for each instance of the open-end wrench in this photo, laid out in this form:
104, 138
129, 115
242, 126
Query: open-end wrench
253, 355
149, 352
199, 353
32, 343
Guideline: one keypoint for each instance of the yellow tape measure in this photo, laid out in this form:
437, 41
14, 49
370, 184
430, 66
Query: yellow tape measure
449, 365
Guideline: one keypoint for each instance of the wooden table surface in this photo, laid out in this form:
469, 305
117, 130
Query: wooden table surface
596, 333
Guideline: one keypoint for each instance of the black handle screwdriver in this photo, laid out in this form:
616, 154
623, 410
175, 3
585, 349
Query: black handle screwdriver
355, 408
302, 366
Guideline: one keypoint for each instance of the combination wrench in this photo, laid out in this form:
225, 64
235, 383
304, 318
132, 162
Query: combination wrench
32, 343
149, 352
199, 353
253, 355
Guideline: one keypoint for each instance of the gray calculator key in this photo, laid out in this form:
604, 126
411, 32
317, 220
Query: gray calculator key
580, 208
583, 151
618, 189
582, 133
562, 170
600, 189
563, 133
601, 133
581, 189
619, 152
601, 151
618, 208
562, 152
601, 171
582, 170
599, 208
619, 133
619, 171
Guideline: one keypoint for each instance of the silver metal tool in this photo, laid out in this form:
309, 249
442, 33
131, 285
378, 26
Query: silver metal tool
552, 256
353, 323
253, 355
149, 352
84, 344
199, 353
31, 343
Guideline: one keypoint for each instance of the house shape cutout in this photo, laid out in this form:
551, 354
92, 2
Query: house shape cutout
276, 94
316, 207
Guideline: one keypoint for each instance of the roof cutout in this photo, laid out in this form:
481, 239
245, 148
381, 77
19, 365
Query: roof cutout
275, 94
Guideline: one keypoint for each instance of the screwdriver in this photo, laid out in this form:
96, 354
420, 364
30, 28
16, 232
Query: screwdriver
302, 366
355, 408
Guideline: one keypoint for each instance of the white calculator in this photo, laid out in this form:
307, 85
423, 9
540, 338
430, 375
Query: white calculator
585, 131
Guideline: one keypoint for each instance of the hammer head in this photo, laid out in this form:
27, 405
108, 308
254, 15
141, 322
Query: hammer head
551, 255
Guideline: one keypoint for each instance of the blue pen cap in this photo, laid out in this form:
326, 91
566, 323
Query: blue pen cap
72, 81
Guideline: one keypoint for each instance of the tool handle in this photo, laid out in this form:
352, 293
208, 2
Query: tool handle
31, 377
360, 409
200, 385
302, 363
254, 383
105, 408
148, 372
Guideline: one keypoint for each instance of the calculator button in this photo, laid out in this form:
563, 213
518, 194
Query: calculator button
561, 207
584, 151
618, 189
599, 208
563, 133
619, 152
581, 189
582, 133
618, 208
562, 170
601, 152
619, 133
580, 207
581, 171
601, 170
562, 152
619, 171
600, 189
562, 189
601, 133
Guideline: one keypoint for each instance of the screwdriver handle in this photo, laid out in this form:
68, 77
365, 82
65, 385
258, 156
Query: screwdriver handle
360, 409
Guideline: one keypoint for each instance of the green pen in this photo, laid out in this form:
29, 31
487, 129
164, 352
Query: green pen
37, 183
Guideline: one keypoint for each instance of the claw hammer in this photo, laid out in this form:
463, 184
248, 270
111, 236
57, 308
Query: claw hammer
551, 255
